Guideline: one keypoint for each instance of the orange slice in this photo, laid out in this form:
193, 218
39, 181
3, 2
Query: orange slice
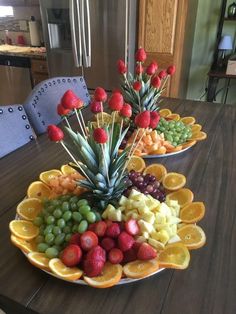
104, 117
192, 236
199, 136
66, 169
29, 208
136, 163
173, 116
183, 196
174, 255
174, 149
64, 272
24, 229
188, 144
192, 212
39, 190
141, 269
46, 176
165, 112
173, 181
111, 275
157, 170
160, 151
25, 245
188, 120
196, 128
39, 260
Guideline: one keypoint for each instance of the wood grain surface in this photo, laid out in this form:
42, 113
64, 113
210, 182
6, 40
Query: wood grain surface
208, 286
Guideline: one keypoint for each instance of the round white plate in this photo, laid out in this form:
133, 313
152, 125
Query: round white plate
166, 155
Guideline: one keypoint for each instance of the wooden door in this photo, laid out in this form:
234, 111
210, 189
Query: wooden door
162, 30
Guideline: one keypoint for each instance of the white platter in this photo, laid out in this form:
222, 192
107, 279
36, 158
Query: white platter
166, 155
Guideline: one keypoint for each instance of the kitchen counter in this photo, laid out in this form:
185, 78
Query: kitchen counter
207, 286
23, 51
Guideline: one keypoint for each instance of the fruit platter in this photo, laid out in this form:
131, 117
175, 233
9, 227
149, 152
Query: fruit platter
106, 218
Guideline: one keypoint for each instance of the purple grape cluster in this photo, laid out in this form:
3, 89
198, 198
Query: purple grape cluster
146, 184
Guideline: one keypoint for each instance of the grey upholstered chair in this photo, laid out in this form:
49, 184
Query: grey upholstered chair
41, 104
15, 129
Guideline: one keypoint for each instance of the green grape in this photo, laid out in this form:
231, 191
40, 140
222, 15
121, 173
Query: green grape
75, 228
77, 216
39, 239
67, 237
98, 216
67, 229
57, 213
91, 217
50, 220
74, 199
73, 206
59, 239
69, 223
82, 202
41, 229
174, 143
84, 210
51, 252
49, 238
45, 213
56, 230
38, 221
65, 206
42, 247
83, 225
48, 229
61, 223
65, 197
55, 203
67, 215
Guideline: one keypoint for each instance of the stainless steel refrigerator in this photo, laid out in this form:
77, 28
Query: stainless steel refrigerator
87, 37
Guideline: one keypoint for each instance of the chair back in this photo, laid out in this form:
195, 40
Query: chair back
41, 104
15, 129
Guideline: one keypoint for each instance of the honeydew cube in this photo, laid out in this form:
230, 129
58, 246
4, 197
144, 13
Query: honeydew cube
160, 218
115, 215
141, 239
173, 220
145, 226
149, 217
142, 210
145, 235
110, 208
174, 239
164, 209
156, 244
123, 200
161, 236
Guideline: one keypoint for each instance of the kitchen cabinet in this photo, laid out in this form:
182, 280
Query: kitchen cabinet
39, 71
166, 31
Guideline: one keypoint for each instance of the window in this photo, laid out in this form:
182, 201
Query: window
6, 11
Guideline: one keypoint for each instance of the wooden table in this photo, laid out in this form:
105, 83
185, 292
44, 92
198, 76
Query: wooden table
208, 286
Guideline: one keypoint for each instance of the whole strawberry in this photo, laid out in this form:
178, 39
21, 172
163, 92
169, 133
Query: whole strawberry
171, 69
142, 120
96, 253
140, 55
156, 81
100, 135
70, 101
154, 119
62, 111
137, 86
55, 134
113, 230
116, 101
71, 255
139, 69
93, 268
126, 111
146, 252
125, 241
96, 106
151, 69
162, 74
100, 94
122, 68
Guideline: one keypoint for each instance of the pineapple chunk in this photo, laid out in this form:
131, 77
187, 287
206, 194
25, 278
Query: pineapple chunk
121, 208
160, 218
149, 217
134, 193
143, 210
156, 244
173, 220
172, 203
123, 200
164, 209
168, 229
110, 208
129, 204
161, 236
132, 212
174, 239
115, 215
138, 204
145, 226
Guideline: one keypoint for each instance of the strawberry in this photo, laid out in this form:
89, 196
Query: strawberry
62, 111
151, 69
91, 227
154, 119
139, 69
156, 81
113, 230
122, 68
96, 253
108, 244
100, 228
125, 241
88, 240
130, 255
75, 239
71, 255
142, 120
100, 94
100, 135
126, 111
162, 74
136, 246
116, 102
115, 256
93, 268
132, 227
70, 101
146, 252
140, 55
137, 86
171, 69
55, 134
96, 106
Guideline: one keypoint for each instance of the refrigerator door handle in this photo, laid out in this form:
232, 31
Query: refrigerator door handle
73, 11
87, 31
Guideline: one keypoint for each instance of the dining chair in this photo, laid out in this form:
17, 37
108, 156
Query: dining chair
15, 129
41, 104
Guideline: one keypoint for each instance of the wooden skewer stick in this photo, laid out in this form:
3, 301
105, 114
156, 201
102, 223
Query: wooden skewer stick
83, 123
112, 127
103, 153
80, 123
67, 122
102, 113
